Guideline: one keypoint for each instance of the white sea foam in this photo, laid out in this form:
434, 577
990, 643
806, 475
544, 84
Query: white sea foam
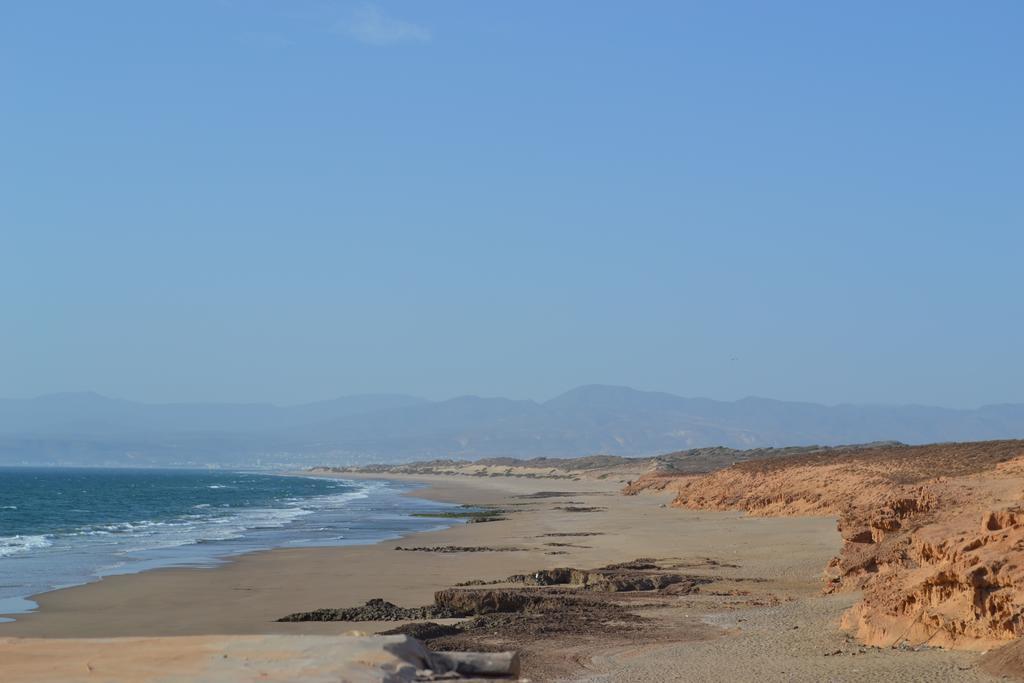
12, 545
151, 536
142, 535
336, 500
144, 526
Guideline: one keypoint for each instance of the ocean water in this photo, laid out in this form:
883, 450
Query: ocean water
63, 527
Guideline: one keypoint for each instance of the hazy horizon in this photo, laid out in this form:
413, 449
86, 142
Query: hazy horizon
586, 420
539, 400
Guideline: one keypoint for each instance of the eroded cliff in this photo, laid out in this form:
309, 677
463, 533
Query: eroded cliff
933, 536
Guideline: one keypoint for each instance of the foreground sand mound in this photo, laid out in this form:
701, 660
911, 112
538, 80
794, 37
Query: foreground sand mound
932, 535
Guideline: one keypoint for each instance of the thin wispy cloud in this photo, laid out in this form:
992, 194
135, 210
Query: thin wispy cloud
368, 24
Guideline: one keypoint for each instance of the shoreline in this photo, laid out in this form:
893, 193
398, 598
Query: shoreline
759, 616
221, 554
66, 612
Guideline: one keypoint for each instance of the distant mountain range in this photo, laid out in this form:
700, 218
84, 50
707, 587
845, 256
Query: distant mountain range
87, 428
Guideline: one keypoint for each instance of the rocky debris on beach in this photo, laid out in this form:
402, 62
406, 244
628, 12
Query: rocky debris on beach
526, 611
425, 630
639, 563
509, 615
464, 603
642, 574
376, 609
471, 602
639, 575
555, 494
472, 516
535, 595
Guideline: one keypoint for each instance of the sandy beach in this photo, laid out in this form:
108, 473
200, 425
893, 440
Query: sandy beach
758, 616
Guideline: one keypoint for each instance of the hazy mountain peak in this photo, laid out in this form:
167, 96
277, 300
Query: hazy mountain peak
598, 392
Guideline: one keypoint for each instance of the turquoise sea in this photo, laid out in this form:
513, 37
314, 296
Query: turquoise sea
62, 527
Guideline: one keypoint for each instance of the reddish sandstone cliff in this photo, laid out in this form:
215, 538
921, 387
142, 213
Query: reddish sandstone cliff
932, 535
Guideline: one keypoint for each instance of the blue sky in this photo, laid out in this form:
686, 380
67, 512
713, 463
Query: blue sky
287, 201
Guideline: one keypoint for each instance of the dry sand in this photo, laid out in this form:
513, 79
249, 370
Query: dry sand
768, 623
192, 659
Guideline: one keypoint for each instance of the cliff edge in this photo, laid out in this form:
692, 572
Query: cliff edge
933, 535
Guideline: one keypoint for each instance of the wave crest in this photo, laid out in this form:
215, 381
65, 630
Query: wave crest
12, 545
